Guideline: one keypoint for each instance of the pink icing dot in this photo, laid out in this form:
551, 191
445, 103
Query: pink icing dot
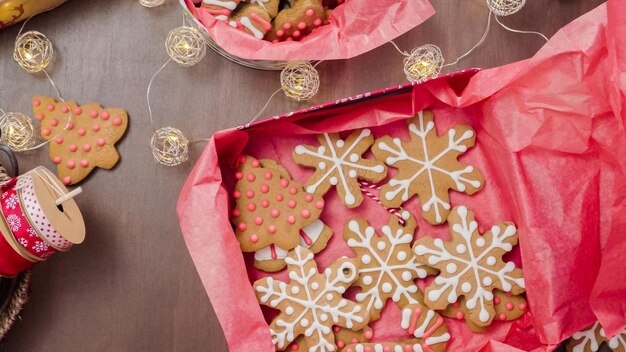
65, 109
105, 115
367, 349
70, 126
279, 197
237, 194
496, 300
268, 175
251, 177
336, 328
258, 220
460, 315
508, 294
295, 347
274, 41
348, 349
369, 334
236, 212
301, 25
308, 198
386, 349
280, 33
319, 204
305, 213
291, 204
341, 344
265, 203
293, 191
287, 26
57, 159
39, 116
251, 206
296, 34
502, 317
509, 306
100, 142
54, 122
86, 147
84, 163
275, 213
71, 164
59, 140
95, 127
93, 114
408, 348
46, 132
284, 182
254, 238
50, 107
289, 39
265, 188
355, 340
255, 163
78, 111
456, 304
73, 148
36, 102
250, 193
81, 132
271, 229
317, 22
242, 226
238, 175
523, 306
309, 12
291, 219
117, 121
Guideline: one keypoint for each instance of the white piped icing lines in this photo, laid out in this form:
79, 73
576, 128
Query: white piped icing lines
340, 163
470, 265
591, 338
428, 167
312, 302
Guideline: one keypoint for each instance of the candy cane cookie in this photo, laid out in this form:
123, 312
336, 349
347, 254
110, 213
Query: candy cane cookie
255, 17
220, 9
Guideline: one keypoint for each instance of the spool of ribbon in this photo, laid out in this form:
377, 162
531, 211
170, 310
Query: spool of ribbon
33, 226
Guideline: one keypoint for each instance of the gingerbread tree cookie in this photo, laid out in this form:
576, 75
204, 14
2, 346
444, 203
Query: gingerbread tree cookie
87, 142
507, 306
312, 302
428, 167
273, 214
340, 163
470, 265
591, 338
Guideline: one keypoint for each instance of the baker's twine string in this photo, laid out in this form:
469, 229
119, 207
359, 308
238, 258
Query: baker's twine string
366, 186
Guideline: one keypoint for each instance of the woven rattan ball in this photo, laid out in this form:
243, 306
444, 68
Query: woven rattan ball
505, 7
185, 45
423, 63
300, 80
16, 131
169, 146
151, 3
33, 51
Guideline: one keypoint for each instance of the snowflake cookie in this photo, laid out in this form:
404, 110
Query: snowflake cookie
339, 163
387, 266
591, 338
343, 337
470, 265
428, 167
312, 302
507, 307
273, 214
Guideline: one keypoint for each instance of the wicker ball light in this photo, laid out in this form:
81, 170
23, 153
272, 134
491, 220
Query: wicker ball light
423, 63
300, 80
185, 45
169, 146
33, 51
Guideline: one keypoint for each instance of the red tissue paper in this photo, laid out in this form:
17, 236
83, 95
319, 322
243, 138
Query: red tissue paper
550, 143
355, 27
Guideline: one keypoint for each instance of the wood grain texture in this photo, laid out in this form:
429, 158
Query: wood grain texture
132, 285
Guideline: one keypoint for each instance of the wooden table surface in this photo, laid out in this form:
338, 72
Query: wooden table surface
132, 285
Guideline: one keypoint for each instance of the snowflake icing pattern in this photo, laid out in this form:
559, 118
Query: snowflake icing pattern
387, 265
40, 246
309, 304
470, 265
14, 222
428, 167
595, 336
11, 202
339, 163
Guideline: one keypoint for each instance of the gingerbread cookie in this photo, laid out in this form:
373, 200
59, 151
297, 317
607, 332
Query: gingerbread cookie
220, 9
273, 214
470, 265
507, 306
428, 167
312, 302
255, 17
87, 142
593, 337
340, 163
296, 22
387, 266
343, 337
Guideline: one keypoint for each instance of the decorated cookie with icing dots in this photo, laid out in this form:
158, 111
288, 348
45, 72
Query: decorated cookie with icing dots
593, 338
312, 302
87, 142
220, 9
273, 214
343, 338
507, 307
255, 17
339, 163
298, 21
470, 265
428, 167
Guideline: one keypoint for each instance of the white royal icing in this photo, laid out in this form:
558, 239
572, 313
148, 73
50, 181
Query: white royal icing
221, 3
245, 21
426, 162
450, 281
326, 301
588, 336
313, 231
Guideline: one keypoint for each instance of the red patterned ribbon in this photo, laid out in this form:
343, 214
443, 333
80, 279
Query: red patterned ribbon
366, 186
